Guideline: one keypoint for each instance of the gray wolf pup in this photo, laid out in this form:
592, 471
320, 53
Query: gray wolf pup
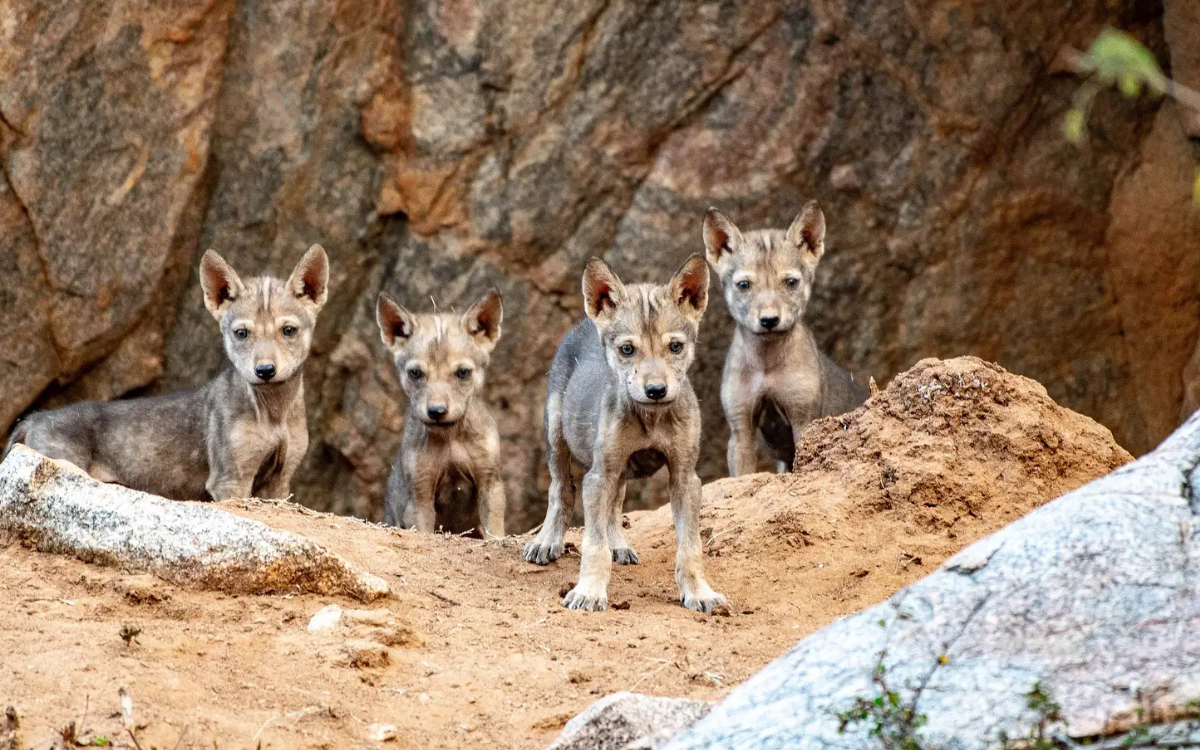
775, 380
242, 434
448, 472
619, 404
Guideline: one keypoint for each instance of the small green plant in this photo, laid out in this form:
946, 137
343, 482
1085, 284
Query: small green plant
1117, 59
890, 719
1048, 712
1114, 59
129, 634
896, 723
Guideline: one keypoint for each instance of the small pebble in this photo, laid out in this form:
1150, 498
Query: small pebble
325, 618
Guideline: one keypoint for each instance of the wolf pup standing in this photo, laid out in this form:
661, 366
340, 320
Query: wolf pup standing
775, 380
619, 403
241, 434
447, 474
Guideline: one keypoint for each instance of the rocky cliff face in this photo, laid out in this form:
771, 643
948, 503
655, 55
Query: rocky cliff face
436, 148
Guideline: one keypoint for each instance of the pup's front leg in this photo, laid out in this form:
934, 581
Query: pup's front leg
742, 453
622, 553
395, 498
547, 546
694, 591
799, 419
280, 485
410, 495
492, 503
422, 489
739, 397
237, 449
599, 490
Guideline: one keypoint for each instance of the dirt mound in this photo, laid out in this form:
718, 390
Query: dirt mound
949, 452
474, 649
956, 435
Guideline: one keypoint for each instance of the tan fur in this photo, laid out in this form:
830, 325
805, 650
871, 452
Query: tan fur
620, 404
241, 434
776, 380
447, 474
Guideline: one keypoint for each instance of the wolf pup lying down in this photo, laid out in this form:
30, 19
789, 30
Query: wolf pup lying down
241, 434
619, 403
775, 380
447, 474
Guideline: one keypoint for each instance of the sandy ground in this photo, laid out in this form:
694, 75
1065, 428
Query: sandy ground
474, 649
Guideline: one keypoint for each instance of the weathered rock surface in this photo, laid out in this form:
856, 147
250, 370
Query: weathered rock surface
105, 117
1079, 620
629, 721
57, 508
441, 147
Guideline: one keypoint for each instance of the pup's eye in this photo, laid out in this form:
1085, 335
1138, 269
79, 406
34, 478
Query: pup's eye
791, 282
414, 373
290, 331
241, 333
626, 350
743, 285
463, 373
676, 347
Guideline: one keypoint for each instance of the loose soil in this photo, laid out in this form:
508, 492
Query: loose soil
474, 649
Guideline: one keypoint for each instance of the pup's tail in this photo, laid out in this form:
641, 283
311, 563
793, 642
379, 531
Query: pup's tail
18, 436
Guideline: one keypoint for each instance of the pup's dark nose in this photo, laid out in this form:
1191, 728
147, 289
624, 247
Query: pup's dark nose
436, 412
769, 322
656, 391
265, 372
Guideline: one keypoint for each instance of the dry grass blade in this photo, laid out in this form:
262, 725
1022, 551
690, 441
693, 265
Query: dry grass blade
127, 715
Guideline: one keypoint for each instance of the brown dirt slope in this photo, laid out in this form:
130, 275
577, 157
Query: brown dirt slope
475, 651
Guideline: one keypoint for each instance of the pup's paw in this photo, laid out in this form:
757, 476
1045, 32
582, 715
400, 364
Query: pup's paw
625, 556
586, 598
704, 603
542, 553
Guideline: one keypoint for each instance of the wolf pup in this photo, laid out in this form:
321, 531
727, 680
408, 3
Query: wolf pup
448, 472
241, 434
775, 380
619, 403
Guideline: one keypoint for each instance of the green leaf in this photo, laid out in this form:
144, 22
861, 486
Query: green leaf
1121, 58
1129, 83
1075, 125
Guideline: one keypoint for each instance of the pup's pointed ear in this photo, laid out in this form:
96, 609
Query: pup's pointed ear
309, 281
689, 287
220, 283
602, 291
396, 325
721, 236
483, 320
807, 232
